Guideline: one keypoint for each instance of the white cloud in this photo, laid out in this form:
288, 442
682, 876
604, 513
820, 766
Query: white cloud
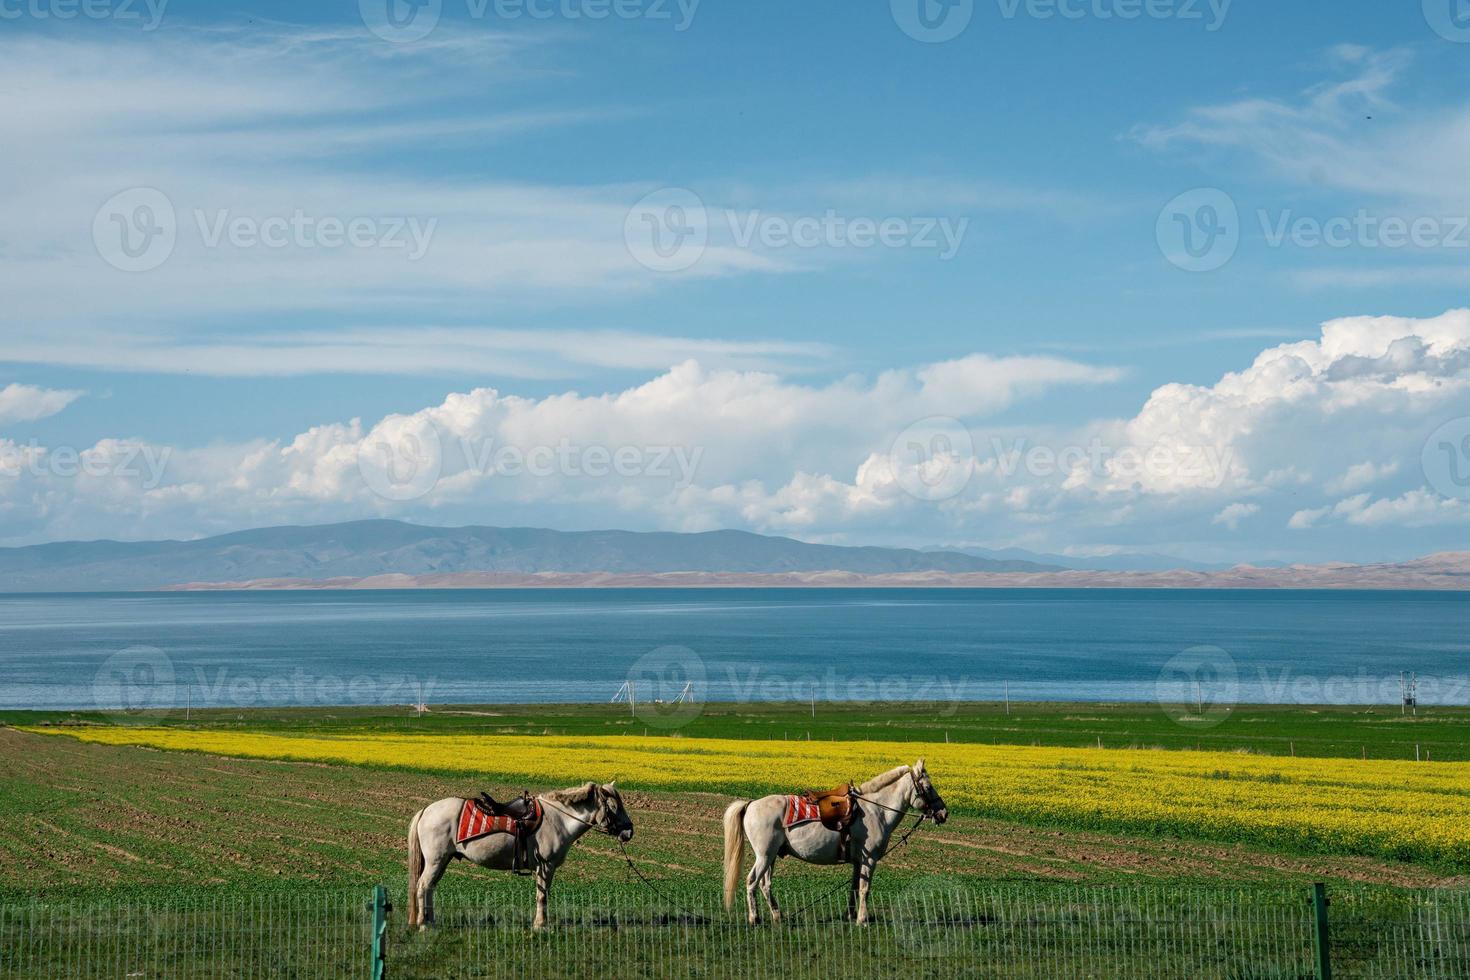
1362, 475
751, 448
1304, 519
1233, 514
1416, 508
27, 403
415, 349
710, 448
1322, 135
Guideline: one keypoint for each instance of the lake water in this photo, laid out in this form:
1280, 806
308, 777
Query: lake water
251, 649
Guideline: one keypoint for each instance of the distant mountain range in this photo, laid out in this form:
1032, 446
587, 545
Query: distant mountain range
395, 555
364, 549
1121, 562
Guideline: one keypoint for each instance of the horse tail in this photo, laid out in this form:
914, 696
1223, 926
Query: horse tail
415, 868
734, 844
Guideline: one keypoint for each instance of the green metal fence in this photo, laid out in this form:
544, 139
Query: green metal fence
929, 927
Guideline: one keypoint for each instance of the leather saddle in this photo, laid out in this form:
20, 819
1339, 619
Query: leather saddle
837, 807
526, 816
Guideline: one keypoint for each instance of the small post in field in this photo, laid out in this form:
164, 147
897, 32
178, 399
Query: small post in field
379, 904
1321, 938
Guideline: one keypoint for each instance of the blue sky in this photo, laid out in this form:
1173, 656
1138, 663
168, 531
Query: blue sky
525, 151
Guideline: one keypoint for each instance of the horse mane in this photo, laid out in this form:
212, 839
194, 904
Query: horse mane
573, 794
885, 780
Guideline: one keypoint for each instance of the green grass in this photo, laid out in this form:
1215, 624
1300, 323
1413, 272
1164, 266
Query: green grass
92, 834
1379, 732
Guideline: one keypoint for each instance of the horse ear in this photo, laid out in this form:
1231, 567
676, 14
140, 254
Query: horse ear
611, 787
920, 767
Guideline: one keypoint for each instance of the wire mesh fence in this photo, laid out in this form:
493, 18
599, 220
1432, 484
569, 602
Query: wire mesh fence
926, 927
224, 934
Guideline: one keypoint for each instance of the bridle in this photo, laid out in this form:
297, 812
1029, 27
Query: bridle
602, 817
926, 804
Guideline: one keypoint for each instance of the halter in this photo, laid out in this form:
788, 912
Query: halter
926, 810
601, 808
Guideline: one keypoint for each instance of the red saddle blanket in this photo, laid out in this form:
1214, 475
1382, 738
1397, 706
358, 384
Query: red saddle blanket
475, 822
799, 811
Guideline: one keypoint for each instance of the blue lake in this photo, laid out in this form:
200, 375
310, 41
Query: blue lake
250, 649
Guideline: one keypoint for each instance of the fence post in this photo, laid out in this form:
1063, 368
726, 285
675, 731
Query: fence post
380, 906
1323, 941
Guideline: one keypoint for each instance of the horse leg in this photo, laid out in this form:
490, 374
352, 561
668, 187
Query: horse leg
760, 877
434, 866
864, 874
544, 871
852, 893
769, 894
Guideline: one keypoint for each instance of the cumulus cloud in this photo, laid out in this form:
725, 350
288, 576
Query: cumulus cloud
1233, 514
27, 403
929, 453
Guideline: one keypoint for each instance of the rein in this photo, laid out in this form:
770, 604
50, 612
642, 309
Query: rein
568, 813
694, 916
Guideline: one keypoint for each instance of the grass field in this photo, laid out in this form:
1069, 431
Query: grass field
1377, 732
114, 815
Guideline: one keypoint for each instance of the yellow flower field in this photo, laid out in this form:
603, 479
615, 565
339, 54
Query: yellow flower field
1413, 811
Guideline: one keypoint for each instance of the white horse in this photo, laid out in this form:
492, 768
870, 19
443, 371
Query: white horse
882, 801
567, 814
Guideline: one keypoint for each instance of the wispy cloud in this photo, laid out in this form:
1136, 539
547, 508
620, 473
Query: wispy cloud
409, 349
